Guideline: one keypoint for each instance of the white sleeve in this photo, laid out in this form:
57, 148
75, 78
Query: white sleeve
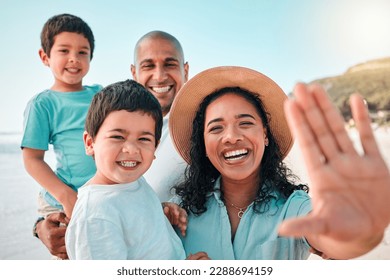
95, 239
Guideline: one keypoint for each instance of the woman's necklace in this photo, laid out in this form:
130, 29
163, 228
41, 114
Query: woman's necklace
241, 210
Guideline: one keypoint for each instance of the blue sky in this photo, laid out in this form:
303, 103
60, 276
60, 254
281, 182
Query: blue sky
287, 40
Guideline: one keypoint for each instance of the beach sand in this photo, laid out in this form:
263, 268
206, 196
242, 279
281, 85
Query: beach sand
19, 192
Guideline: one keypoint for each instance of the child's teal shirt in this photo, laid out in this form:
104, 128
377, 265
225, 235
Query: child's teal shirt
58, 118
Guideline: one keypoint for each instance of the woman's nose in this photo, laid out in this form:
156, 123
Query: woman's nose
232, 135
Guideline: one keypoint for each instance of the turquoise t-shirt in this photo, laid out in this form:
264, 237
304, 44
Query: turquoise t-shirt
256, 236
58, 118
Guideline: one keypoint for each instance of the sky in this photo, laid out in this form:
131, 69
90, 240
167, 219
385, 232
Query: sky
289, 41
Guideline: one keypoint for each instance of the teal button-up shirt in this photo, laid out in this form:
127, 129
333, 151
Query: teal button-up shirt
256, 237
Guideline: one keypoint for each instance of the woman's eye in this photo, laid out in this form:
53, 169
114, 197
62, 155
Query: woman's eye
248, 123
215, 128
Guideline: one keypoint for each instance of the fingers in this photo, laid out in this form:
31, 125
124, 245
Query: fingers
302, 132
53, 237
177, 216
304, 226
57, 218
334, 120
198, 256
363, 124
324, 121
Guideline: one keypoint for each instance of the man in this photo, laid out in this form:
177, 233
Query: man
158, 65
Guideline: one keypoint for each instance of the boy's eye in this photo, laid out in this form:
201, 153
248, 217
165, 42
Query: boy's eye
117, 137
145, 139
63, 51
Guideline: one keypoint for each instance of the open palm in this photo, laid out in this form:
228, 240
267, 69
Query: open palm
350, 191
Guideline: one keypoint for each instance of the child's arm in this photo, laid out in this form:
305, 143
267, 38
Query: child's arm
350, 192
176, 215
37, 167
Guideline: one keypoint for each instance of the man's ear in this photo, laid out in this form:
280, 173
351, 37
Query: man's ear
133, 72
88, 143
186, 71
44, 57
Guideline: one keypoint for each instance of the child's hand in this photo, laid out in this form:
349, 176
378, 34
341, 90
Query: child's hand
176, 215
198, 256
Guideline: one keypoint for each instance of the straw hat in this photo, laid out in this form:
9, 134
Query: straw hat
188, 99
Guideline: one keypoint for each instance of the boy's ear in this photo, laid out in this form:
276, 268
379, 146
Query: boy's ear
88, 143
158, 142
44, 57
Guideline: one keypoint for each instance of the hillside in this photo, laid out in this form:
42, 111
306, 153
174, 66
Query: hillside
371, 79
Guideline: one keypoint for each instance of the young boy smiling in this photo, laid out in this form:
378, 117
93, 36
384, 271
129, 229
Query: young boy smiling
56, 116
117, 214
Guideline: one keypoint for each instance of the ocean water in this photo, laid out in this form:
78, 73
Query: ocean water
18, 204
18, 199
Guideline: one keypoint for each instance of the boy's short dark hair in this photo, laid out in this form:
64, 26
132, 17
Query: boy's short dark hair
126, 95
65, 23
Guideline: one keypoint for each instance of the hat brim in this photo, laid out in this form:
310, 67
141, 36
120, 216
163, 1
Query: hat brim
188, 99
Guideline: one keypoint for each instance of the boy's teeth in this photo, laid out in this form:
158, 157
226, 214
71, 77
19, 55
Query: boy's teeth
73, 70
128, 163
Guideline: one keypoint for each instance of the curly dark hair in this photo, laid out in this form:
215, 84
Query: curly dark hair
274, 176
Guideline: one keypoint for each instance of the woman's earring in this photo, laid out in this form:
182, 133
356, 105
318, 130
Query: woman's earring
266, 142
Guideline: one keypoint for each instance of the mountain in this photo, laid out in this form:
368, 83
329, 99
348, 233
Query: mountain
371, 79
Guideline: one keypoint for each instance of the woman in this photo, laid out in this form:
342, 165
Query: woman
228, 123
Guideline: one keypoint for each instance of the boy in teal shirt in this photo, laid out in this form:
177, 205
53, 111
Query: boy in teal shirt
57, 115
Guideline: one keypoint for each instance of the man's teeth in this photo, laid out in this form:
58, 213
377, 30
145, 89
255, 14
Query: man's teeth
128, 163
234, 155
161, 89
